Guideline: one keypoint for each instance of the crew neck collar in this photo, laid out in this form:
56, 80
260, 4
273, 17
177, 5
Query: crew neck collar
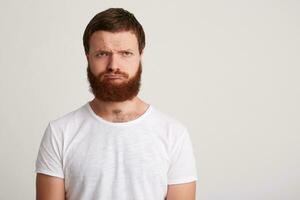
131, 122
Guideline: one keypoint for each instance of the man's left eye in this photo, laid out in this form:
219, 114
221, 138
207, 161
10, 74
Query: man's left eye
126, 53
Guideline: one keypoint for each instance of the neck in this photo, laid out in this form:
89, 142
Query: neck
119, 111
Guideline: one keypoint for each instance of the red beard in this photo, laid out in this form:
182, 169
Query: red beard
104, 90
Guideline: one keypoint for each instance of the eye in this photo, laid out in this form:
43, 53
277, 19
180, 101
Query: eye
101, 54
126, 53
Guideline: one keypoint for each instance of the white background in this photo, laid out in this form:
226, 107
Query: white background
229, 70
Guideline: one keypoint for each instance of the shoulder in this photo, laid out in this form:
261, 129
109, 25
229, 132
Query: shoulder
170, 123
66, 120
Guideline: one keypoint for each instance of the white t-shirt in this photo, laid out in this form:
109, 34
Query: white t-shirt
103, 160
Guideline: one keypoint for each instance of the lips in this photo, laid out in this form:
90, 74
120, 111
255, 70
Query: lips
113, 76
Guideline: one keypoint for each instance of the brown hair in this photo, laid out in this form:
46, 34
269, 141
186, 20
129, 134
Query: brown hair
114, 20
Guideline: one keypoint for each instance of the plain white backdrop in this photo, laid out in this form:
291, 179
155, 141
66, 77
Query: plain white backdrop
229, 70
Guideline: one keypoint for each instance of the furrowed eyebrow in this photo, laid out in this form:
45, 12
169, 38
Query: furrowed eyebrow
102, 51
127, 50
110, 52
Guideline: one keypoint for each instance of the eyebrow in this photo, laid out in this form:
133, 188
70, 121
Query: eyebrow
108, 51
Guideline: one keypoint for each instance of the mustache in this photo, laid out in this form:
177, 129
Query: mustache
118, 73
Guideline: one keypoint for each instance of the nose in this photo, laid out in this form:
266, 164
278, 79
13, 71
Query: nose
113, 63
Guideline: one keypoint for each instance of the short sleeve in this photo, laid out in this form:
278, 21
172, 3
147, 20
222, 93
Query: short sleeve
49, 158
182, 167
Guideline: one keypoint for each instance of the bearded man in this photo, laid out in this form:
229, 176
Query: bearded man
116, 146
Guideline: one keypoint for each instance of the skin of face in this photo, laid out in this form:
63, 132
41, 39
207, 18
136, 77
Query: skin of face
116, 53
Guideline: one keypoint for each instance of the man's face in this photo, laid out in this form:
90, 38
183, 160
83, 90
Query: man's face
114, 65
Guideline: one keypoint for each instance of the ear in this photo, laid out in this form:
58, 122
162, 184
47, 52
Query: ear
142, 53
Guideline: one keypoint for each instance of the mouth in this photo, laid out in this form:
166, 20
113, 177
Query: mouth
113, 77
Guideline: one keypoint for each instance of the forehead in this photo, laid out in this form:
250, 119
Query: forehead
112, 41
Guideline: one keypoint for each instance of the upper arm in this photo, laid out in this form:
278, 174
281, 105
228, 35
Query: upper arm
182, 163
49, 168
186, 191
49, 187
